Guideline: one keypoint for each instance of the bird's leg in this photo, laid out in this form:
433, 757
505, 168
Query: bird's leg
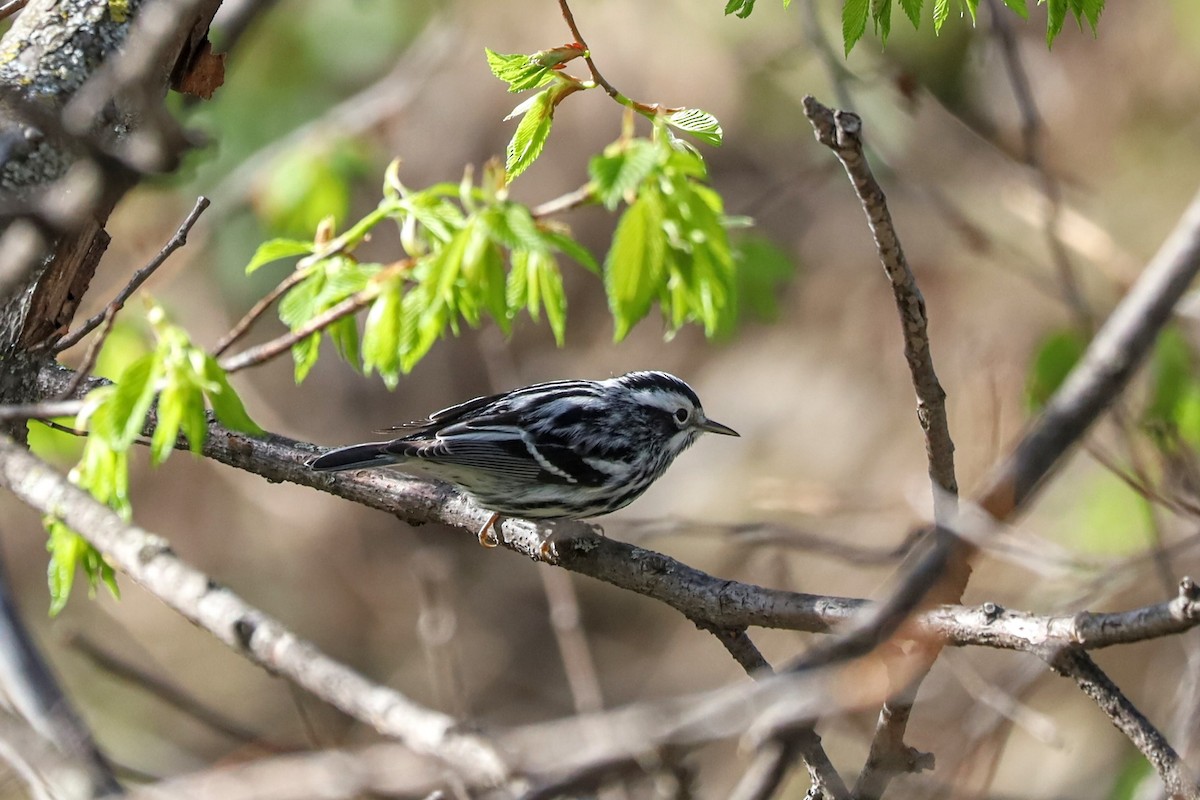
489, 535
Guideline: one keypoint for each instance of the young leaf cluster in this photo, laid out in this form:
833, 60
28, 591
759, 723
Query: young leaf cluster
855, 14
544, 68
672, 242
180, 378
469, 254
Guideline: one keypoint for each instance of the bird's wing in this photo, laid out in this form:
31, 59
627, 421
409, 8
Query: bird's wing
507, 456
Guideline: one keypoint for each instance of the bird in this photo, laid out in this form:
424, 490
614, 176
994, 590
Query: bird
567, 449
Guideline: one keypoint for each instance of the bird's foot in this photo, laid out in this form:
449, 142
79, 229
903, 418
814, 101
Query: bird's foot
489, 534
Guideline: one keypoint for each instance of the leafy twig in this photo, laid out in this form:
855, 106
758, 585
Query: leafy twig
280, 345
244, 325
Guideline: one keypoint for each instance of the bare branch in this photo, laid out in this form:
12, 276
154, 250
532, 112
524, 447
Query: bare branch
30, 689
141, 276
841, 131
149, 560
252, 316
1117, 350
1126, 717
43, 410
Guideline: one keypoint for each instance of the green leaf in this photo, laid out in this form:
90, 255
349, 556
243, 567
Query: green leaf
132, 400
941, 12
304, 354
1092, 9
762, 271
633, 269
516, 288
854, 22
1056, 356
742, 8
195, 421
344, 335
972, 7
1021, 7
881, 15
70, 552
225, 402
299, 305
170, 416
381, 335
619, 171
912, 10
1056, 14
530, 138
275, 249
64, 546
519, 71
701, 124
554, 300
563, 243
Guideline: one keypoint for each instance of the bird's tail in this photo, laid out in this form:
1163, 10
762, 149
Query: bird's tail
356, 456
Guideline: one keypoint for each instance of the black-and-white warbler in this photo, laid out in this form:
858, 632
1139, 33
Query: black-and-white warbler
565, 449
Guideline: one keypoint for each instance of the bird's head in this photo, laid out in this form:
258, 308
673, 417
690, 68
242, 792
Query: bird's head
674, 406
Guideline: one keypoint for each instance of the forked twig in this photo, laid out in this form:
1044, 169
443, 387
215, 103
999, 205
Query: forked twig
141, 276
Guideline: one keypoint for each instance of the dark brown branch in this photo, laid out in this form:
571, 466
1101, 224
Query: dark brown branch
280, 345
141, 276
1126, 717
244, 325
841, 131
569, 18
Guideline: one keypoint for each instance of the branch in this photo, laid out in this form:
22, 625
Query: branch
141, 276
76, 768
1126, 717
149, 561
697, 595
841, 131
1118, 349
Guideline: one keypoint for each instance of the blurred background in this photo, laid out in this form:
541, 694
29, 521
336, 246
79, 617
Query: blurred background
829, 476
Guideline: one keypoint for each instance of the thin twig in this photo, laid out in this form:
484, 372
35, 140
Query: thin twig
43, 410
841, 131
1126, 717
244, 325
280, 345
177, 241
170, 694
93, 352
1031, 145
582, 196
569, 18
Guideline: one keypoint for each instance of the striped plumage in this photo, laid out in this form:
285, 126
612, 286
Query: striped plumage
565, 449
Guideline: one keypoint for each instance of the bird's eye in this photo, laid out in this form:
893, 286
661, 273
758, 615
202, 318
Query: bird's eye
681, 416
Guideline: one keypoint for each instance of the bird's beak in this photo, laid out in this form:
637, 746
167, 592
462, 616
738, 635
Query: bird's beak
709, 426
